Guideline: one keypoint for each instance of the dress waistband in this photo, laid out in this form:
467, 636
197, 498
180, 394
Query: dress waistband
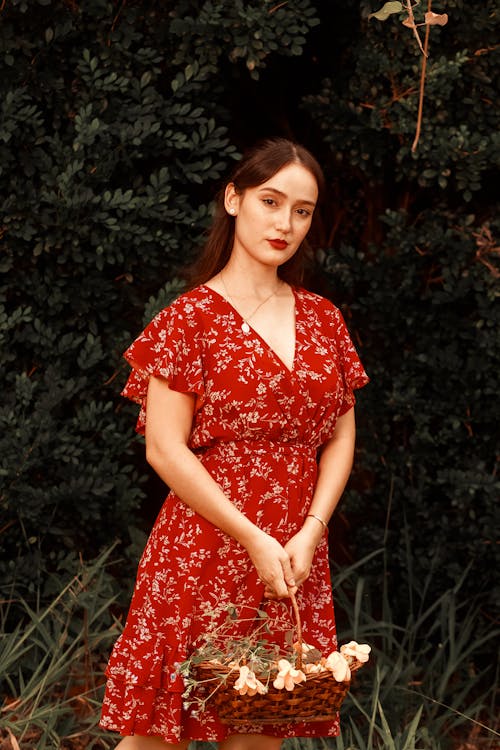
260, 446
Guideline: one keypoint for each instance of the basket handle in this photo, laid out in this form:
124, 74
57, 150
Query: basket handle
298, 625
353, 663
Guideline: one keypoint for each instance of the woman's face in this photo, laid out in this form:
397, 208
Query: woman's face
272, 219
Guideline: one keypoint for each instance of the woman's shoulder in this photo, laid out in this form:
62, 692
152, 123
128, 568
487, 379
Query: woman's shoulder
316, 301
188, 311
189, 302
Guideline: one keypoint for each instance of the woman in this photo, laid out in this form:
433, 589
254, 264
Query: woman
246, 391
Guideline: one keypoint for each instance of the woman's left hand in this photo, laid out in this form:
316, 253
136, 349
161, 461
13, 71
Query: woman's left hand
300, 548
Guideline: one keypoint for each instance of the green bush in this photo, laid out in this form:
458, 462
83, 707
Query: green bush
427, 321
366, 107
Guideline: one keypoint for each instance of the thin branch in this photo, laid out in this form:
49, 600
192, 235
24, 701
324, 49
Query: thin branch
422, 82
277, 7
115, 20
412, 25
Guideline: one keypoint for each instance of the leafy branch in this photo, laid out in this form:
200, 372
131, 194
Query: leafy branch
430, 19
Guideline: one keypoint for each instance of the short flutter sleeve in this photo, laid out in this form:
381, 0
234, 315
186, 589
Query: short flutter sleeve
170, 347
353, 372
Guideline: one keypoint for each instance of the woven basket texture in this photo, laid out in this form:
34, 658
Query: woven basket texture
317, 699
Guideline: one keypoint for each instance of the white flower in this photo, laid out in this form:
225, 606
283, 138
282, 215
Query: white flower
248, 684
288, 676
360, 651
339, 667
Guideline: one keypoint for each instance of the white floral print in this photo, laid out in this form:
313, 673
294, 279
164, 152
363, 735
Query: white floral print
257, 429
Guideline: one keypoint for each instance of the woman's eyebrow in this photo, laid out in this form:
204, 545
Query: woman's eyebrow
284, 195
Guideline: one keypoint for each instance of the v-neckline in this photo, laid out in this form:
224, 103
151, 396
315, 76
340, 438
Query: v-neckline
269, 348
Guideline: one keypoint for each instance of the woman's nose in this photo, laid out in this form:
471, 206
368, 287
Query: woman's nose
283, 221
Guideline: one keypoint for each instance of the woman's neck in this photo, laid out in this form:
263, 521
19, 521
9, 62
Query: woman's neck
249, 279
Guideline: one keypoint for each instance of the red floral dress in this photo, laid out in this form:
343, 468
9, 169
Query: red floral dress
257, 429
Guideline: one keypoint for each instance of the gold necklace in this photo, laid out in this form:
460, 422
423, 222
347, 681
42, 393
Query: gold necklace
244, 326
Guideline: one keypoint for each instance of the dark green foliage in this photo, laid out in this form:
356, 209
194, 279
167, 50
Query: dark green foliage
427, 322
111, 139
252, 31
369, 116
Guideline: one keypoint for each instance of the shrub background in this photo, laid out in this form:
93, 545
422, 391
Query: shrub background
117, 121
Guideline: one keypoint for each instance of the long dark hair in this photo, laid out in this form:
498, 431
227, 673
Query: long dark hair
256, 166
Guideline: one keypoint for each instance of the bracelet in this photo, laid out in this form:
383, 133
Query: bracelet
313, 515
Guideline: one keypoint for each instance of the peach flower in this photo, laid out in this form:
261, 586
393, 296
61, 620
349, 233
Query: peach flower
360, 651
288, 676
339, 667
248, 684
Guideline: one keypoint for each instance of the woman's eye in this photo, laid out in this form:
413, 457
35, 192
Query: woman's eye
269, 201
303, 212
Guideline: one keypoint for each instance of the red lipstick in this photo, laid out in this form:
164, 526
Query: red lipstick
278, 244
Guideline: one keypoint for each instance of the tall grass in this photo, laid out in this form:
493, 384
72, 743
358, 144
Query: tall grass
433, 677
430, 684
51, 664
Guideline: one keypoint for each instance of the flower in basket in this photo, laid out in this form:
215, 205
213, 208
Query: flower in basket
360, 651
288, 676
338, 666
248, 684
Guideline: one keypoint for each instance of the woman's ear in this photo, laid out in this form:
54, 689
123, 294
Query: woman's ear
231, 199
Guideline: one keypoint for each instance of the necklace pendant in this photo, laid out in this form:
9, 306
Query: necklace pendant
245, 327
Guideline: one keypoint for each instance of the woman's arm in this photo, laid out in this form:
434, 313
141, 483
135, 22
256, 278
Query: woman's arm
168, 426
335, 466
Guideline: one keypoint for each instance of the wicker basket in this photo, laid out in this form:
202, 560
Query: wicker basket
317, 699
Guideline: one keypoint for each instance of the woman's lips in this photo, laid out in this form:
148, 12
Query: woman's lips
278, 244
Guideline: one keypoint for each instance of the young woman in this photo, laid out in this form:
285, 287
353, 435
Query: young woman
246, 391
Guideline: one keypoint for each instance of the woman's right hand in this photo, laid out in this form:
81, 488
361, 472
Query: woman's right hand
272, 564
